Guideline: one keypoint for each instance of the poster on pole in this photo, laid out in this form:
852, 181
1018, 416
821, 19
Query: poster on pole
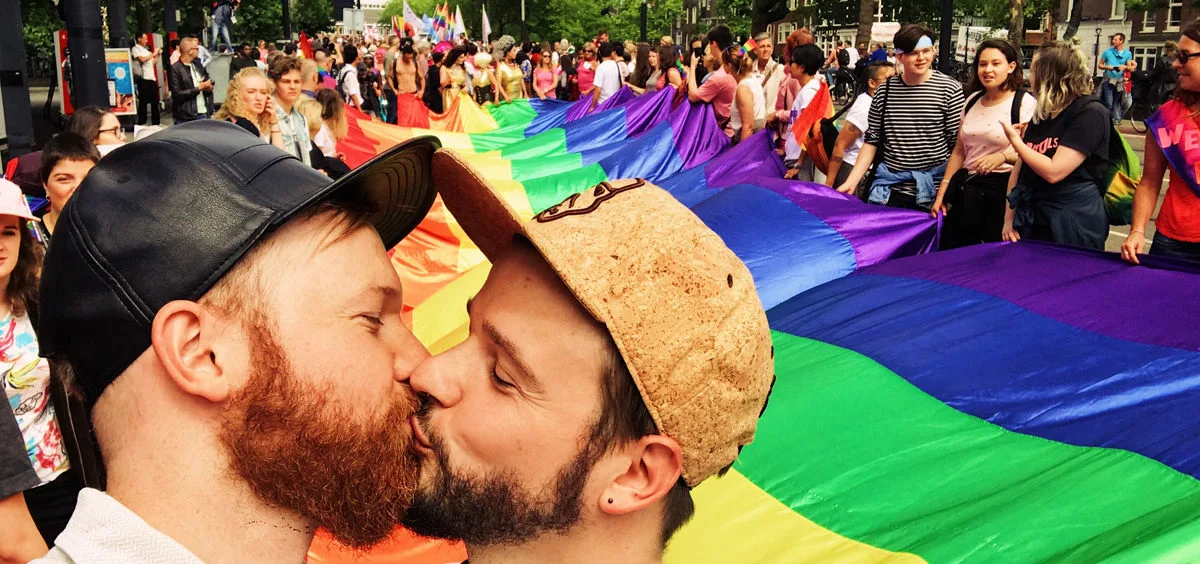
120, 81
884, 32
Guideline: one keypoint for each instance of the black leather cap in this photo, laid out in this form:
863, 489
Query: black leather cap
166, 217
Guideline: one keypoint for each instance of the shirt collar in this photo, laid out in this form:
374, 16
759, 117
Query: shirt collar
102, 531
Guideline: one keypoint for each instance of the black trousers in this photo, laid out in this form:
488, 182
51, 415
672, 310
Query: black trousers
977, 207
147, 95
51, 505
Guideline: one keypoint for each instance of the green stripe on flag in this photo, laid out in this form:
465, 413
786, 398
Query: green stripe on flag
512, 113
550, 142
545, 166
860, 451
546, 191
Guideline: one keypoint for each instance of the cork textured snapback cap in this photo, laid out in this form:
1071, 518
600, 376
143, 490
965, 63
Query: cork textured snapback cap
679, 304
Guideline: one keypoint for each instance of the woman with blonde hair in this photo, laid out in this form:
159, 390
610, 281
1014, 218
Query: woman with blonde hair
249, 104
1053, 190
324, 155
749, 113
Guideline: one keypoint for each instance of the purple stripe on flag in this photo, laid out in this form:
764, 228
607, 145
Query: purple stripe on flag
877, 233
1087, 289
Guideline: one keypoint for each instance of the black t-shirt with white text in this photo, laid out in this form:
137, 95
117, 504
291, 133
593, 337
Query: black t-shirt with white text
1084, 126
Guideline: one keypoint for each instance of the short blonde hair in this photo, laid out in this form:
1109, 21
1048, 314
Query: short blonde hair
311, 110
1059, 77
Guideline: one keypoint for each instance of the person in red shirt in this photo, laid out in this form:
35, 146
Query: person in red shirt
1177, 231
719, 88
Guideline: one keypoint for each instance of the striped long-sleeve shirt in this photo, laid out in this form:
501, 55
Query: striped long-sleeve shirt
920, 123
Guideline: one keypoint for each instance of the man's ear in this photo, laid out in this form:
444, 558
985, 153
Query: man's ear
655, 464
183, 337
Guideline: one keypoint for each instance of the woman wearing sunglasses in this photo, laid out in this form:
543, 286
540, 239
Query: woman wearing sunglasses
99, 126
1171, 144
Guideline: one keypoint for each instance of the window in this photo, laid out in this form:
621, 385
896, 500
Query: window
1118, 10
1145, 57
1174, 14
1148, 22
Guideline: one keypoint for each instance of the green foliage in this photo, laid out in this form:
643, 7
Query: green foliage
312, 16
261, 19
40, 23
736, 15
551, 20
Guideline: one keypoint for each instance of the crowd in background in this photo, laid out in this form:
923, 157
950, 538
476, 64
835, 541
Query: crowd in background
1011, 156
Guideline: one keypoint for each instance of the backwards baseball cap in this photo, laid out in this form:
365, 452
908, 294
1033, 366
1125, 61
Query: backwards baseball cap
165, 218
680, 306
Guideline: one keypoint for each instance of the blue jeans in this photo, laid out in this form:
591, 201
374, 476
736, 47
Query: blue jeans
1112, 95
220, 25
831, 77
1167, 247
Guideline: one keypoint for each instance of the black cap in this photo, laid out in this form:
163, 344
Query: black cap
166, 217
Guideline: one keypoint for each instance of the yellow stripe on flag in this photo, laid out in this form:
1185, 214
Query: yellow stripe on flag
736, 521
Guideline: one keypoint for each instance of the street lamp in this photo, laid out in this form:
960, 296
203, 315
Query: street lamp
1096, 52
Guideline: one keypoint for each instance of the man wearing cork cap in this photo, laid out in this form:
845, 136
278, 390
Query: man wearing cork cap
618, 355
234, 321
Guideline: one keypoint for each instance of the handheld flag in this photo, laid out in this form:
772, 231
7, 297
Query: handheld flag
305, 46
486, 25
410, 17
459, 28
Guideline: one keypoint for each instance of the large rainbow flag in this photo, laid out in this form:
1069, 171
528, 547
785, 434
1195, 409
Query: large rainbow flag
1000, 403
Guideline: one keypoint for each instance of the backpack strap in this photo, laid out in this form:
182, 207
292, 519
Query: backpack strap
1015, 114
971, 102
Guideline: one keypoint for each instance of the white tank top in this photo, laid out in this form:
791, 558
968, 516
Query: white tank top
760, 105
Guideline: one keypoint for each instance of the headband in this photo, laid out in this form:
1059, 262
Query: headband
922, 43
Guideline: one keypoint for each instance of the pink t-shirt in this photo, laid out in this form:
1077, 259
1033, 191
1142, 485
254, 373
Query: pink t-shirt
981, 132
719, 89
543, 79
587, 73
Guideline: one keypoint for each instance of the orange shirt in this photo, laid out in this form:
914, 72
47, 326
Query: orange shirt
1179, 217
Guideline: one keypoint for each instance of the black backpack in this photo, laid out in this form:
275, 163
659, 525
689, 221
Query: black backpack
843, 58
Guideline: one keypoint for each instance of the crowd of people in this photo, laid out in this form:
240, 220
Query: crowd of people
1005, 158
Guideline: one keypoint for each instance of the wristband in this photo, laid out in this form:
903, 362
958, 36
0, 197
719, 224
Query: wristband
1137, 231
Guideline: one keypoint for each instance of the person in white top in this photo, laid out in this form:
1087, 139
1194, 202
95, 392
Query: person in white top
348, 78
804, 66
973, 193
854, 56
608, 75
854, 129
749, 113
147, 84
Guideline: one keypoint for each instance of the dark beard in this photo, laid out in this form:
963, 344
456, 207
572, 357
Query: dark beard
355, 478
493, 509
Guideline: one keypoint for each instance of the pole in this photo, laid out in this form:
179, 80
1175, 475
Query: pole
524, 26
169, 25
287, 20
14, 90
89, 72
944, 44
118, 35
642, 18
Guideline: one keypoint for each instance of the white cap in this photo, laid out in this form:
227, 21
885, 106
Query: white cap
12, 201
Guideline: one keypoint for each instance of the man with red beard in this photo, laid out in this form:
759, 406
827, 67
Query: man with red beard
618, 355
235, 323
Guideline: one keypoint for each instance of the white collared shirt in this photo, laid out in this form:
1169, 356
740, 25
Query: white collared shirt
102, 531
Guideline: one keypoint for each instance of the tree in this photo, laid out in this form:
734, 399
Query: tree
312, 16
1073, 20
1016, 22
866, 17
766, 11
